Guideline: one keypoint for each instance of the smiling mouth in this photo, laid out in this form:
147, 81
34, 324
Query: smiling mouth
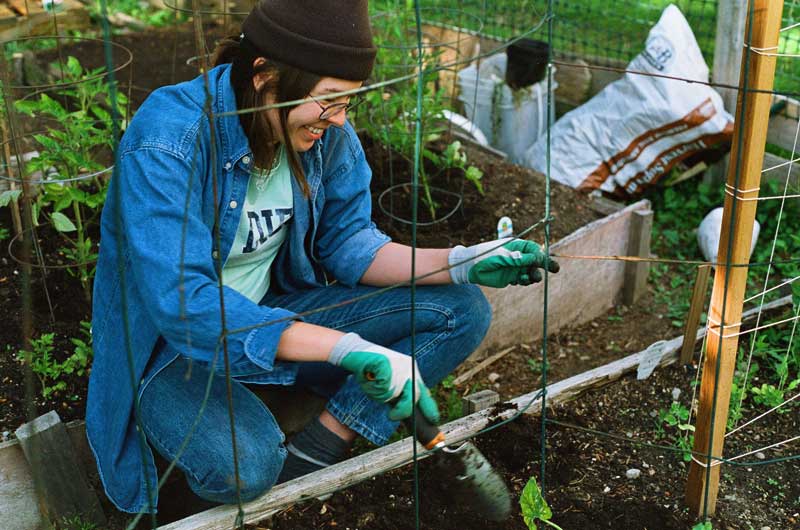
314, 130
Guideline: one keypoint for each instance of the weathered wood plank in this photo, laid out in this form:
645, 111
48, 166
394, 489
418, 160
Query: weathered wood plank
695, 309
636, 272
731, 15
72, 15
582, 290
782, 129
779, 169
59, 479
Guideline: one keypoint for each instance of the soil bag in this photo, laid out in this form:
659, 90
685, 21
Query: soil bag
636, 129
511, 119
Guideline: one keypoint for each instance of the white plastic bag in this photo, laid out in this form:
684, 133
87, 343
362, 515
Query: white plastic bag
708, 234
637, 128
511, 120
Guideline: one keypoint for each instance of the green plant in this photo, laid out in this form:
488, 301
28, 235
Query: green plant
705, 525
144, 12
452, 408
535, 366
677, 419
392, 114
75, 522
534, 506
74, 192
49, 370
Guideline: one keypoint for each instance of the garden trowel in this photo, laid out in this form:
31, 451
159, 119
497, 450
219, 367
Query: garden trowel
477, 479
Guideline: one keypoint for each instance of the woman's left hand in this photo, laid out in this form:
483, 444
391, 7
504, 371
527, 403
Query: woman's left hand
500, 263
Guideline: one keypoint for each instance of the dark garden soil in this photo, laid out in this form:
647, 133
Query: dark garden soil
585, 475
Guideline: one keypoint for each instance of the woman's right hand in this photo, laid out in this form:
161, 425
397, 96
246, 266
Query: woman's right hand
385, 375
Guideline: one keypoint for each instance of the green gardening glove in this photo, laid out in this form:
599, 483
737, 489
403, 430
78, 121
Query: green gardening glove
385, 376
499, 263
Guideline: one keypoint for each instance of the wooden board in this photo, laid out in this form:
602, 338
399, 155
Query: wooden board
782, 129
581, 291
71, 15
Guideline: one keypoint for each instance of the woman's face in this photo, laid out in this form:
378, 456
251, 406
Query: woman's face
303, 122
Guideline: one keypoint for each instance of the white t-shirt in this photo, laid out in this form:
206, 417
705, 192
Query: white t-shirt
268, 207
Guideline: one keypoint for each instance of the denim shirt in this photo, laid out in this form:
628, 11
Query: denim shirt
157, 271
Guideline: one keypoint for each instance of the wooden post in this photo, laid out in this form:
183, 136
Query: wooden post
639, 245
59, 479
693, 319
731, 15
737, 225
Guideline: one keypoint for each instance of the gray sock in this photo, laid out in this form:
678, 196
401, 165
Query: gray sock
311, 449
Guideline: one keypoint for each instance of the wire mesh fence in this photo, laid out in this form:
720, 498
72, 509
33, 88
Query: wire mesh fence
575, 32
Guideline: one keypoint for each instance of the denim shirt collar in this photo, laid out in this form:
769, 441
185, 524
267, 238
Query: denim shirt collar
235, 146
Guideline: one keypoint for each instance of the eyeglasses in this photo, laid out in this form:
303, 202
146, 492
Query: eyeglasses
329, 111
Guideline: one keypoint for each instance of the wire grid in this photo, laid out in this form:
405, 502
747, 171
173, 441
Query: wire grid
576, 31
545, 220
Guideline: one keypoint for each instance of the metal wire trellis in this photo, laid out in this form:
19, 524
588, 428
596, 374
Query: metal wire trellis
569, 29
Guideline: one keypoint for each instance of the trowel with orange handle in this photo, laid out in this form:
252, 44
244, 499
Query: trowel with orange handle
486, 489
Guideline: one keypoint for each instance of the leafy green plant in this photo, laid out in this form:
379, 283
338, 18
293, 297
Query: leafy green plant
49, 370
676, 419
534, 506
68, 152
76, 522
392, 114
770, 395
705, 525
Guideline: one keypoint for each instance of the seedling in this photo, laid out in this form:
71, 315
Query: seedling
534, 506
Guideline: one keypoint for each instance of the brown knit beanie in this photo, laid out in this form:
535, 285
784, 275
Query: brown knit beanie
324, 37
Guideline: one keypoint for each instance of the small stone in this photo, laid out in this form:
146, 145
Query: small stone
606, 489
760, 455
731, 498
645, 465
493, 377
633, 473
629, 434
653, 413
676, 393
766, 528
651, 471
6, 434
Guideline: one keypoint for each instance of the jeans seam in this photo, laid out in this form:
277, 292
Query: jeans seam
385, 311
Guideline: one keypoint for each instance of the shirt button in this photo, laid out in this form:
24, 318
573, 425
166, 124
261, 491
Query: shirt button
215, 254
234, 204
246, 160
228, 166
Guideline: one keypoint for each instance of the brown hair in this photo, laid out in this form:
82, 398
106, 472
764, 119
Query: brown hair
286, 83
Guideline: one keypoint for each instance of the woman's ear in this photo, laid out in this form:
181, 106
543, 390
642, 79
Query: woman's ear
261, 78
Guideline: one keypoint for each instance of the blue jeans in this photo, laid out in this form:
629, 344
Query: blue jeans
451, 321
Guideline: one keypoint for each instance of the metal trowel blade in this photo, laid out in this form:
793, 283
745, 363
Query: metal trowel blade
479, 483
